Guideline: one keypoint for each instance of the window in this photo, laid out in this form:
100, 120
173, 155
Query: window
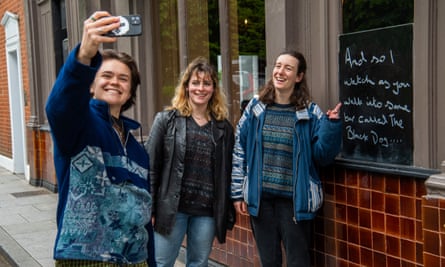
60, 33
201, 37
249, 69
376, 80
359, 15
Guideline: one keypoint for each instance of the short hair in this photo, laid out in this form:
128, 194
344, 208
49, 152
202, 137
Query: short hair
129, 61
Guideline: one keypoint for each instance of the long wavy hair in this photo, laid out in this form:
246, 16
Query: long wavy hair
300, 96
217, 106
129, 61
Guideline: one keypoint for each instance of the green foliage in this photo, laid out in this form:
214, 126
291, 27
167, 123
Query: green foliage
359, 15
251, 28
214, 43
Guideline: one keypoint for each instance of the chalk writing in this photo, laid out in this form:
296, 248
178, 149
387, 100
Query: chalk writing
362, 59
376, 91
372, 137
393, 86
389, 120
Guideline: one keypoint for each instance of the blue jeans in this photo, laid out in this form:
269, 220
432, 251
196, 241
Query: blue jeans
200, 232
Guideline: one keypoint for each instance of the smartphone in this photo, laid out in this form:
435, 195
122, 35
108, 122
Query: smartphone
131, 25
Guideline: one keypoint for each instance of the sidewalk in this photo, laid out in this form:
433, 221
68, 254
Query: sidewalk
27, 223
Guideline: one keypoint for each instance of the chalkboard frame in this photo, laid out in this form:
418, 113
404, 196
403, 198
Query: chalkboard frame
385, 168
376, 89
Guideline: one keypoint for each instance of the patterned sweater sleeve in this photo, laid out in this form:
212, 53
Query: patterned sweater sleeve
239, 161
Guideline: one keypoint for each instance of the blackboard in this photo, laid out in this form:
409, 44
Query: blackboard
376, 89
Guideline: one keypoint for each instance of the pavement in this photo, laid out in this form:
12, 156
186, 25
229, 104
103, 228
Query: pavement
27, 223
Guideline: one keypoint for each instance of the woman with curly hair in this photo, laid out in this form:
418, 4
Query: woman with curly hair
190, 147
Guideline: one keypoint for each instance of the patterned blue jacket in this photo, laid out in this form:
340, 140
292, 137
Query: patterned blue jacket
316, 141
104, 206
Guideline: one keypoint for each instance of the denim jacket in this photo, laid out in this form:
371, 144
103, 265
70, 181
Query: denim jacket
316, 140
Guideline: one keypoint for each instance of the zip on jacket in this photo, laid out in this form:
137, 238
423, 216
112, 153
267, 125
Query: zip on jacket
312, 127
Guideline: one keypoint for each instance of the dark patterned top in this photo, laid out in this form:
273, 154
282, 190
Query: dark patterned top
277, 150
197, 189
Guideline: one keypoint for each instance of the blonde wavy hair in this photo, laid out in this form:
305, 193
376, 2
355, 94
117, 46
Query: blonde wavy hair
217, 106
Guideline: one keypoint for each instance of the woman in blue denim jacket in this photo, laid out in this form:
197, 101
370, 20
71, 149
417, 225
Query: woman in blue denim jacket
280, 140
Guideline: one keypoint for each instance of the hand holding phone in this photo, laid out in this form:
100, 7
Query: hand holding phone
131, 25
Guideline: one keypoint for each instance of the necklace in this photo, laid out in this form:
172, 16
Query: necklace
200, 120
118, 125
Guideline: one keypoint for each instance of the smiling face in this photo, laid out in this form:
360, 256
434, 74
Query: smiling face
112, 85
200, 89
285, 73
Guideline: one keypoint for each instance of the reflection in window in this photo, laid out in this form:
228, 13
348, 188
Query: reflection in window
201, 39
359, 15
169, 65
249, 68
214, 35
199, 26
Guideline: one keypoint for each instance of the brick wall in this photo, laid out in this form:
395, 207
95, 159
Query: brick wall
433, 212
368, 219
40, 155
239, 249
17, 8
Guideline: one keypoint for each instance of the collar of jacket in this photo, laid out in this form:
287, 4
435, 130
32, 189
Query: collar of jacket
260, 107
102, 108
218, 126
218, 123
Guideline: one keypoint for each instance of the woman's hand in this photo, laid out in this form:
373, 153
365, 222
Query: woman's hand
335, 113
94, 29
240, 207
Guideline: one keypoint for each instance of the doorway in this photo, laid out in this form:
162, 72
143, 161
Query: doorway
16, 95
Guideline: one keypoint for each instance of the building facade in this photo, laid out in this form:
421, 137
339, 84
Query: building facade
378, 211
14, 87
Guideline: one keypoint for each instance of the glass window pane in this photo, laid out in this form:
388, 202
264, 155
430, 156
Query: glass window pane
202, 39
214, 34
359, 15
201, 21
169, 65
249, 68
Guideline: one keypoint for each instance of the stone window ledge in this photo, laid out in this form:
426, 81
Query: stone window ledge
435, 184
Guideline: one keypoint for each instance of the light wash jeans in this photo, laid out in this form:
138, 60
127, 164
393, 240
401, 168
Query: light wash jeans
200, 232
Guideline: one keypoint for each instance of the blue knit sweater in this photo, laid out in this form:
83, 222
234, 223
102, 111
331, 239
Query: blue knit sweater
316, 140
104, 207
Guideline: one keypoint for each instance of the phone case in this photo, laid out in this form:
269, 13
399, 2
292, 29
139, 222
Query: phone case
131, 25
